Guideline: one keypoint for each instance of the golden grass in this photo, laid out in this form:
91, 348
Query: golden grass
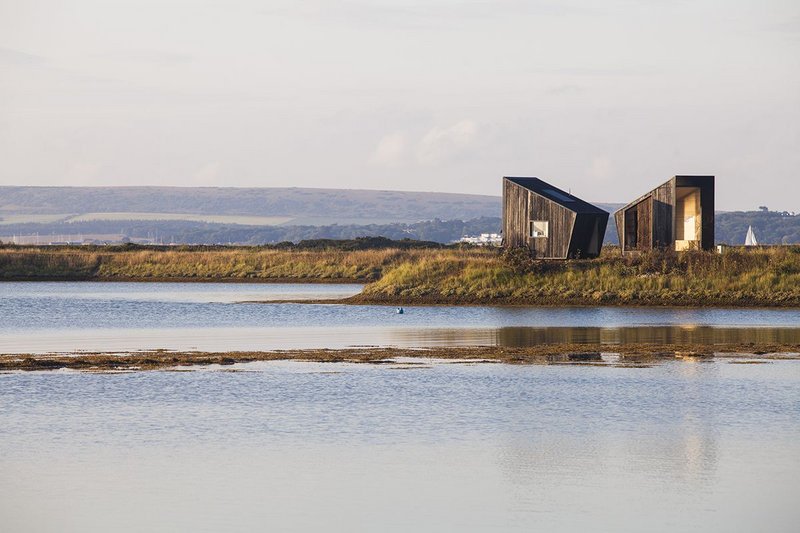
763, 277
760, 277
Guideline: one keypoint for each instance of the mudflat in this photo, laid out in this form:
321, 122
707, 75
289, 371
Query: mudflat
624, 354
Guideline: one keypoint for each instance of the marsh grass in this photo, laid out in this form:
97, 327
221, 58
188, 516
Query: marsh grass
765, 277
761, 277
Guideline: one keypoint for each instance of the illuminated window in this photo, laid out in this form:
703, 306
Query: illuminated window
538, 228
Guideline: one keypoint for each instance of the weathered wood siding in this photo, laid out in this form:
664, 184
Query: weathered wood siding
515, 213
619, 218
560, 222
520, 207
637, 229
663, 219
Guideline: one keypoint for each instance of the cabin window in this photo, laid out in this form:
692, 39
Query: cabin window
539, 228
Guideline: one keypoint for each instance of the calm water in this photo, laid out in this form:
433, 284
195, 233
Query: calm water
429, 446
436, 447
41, 317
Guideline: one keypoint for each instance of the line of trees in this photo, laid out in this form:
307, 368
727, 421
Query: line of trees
771, 227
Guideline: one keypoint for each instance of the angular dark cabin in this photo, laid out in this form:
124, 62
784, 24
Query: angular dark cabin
678, 214
551, 223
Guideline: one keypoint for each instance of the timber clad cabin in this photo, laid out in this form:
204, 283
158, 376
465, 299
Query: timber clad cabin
678, 214
551, 223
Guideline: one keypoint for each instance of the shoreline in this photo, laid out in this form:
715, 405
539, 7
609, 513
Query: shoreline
514, 304
361, 299
560, 353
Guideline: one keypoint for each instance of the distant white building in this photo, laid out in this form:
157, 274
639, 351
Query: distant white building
484, 239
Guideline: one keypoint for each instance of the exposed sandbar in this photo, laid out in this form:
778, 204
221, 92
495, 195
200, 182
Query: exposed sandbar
630, 354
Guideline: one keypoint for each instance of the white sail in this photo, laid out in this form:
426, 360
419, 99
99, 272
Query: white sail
750, 240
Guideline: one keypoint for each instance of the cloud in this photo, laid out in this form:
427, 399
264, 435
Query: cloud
9, 56
390, 149
440, 144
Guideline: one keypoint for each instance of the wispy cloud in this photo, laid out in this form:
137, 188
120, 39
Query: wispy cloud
9, 56
391, 150
440, 144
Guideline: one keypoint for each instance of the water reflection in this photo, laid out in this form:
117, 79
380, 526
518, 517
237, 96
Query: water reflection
291, 338
517, 336
677, 447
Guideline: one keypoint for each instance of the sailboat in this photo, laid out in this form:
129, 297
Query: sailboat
750, 240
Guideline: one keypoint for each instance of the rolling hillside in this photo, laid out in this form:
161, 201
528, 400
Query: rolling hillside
246, 206
268, 215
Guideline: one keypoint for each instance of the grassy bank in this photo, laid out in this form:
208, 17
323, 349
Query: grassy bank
212, 264
425, 275
769, 277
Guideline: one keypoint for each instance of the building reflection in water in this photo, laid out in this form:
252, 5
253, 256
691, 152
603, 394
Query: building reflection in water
532, 336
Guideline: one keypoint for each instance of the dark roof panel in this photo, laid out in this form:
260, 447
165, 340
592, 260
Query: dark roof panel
554, 194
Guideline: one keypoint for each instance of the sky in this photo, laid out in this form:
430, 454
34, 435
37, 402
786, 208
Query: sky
606, 99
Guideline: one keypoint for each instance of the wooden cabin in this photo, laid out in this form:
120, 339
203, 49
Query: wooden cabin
678, 214
551, 223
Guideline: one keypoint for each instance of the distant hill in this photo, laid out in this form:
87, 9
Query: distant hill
200, 215
770, 227
240, 215
246, 206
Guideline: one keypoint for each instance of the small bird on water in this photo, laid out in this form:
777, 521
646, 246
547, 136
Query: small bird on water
400, 311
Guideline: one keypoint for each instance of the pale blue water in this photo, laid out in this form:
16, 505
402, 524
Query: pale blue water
682, 446
431, 446
40, 317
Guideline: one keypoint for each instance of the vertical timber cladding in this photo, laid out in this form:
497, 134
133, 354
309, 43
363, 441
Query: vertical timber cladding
515, 215
560, 223
663, 232
575, 228
644, 213
637, 229
619, 218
